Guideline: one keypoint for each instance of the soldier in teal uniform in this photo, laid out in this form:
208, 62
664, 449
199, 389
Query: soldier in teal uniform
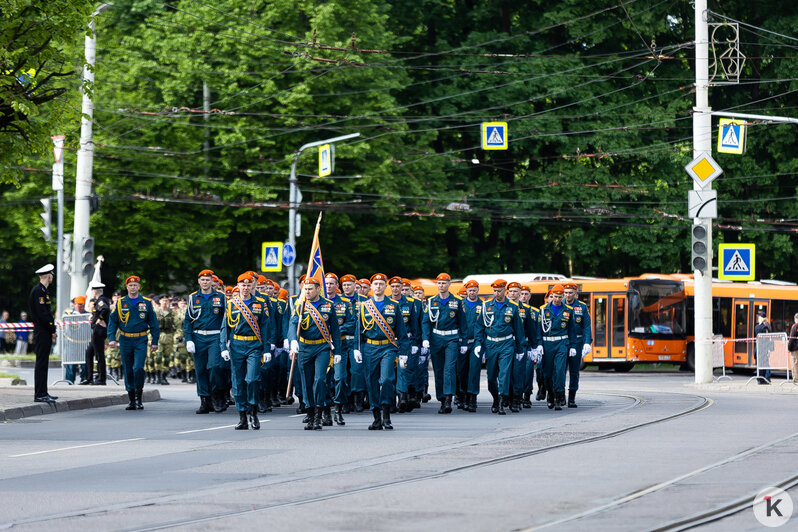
414, 392
383, 336
319, 339
133, 316
519, 361
468, 374
346, 328
558, 330
443, 328
500, 335
355, 384
408, 356
534, 347
583, 335
202, 325
245, 340
264, 289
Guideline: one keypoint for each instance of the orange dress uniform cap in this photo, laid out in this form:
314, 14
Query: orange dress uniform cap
80, 300
462, 291
417, 287
348, 278
406, 282
471, 284
498, 283
364, 281
204, 273
557, 289
262, 279
379, 277
513, 285
330, 275
276, 285
569, 286
395, 279
133, 279
283, 294
228, 290
312, 280
525, 288
302, 278
443, 277
216, 279
244, 277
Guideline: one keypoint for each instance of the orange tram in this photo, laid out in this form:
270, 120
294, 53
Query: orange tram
650, 319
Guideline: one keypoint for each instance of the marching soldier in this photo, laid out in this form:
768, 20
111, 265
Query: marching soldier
541, 395
443, 326
559, 342
318, 336
166, 345
414, 393
408, 355
245, 340
346, 328
133, 315
202, 325
534, 347
364, 287
99, 332
264, 289
44, 332
500, 334
382, 337
519, 364
357, 384
583, 335
470, 366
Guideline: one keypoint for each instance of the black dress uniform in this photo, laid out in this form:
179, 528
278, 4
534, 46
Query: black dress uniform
99, 332
43, 330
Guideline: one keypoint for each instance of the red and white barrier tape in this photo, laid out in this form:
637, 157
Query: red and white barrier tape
26, 325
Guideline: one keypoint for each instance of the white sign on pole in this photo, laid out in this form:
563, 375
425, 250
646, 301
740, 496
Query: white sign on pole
702, 203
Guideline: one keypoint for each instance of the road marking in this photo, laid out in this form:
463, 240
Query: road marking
216, 428
74, 447
298, 415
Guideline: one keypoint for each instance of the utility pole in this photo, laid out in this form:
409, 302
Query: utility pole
206, 107
83, 242
295, 200
702, 143
62, 275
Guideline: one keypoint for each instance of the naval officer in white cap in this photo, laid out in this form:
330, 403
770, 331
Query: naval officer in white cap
43, 332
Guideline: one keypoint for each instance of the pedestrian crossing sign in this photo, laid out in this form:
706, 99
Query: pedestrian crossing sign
731, 136
737, 262
494, 135
271, 257
326, 158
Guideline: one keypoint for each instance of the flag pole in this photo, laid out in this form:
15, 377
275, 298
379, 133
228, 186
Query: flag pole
289, 391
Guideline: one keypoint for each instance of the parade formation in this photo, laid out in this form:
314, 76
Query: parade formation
367, 345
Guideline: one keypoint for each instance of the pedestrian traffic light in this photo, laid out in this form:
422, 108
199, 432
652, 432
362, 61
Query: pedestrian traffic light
87, 257
700, 249
47, 229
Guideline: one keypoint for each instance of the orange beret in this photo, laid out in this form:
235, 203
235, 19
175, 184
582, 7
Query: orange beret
364, 281
443, 277
205, 273
133, 279
498, 283
525, 288
80, 300
462, 291
302, 277
244, 277
513, 285
235, 289
348, 278
262, 279
569, 286
283, 294
312, 280
228, 290
216, 279
418, 287
406, 282
276, 285
331, 276
379, 277
395, 280
557, 289
471, 284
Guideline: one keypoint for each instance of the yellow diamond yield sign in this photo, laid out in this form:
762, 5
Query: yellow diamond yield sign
703, 169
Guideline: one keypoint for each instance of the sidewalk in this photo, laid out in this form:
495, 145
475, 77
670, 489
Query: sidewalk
742, 384
17, 401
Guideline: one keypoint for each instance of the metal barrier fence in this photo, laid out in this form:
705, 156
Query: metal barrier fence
772, 354
718, 358
74, 336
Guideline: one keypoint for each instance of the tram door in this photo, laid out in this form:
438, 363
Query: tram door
599, 322
745, 312
617, 326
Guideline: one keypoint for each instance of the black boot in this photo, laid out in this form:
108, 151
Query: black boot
139, 405
386, 418
458, 401
308, 417
514, 405
205, 405
148, 380
550, 398
473, 403
572, 399
162, 378
413, 401
403, 403
131, 395
317, 414
442, 409
326, 419
229, 398
541, 394
527, 402
377, 423
253, 417
448, 402
192, 377
502, 404
242, 421
184, 376
494, 409
559, 400
358, 401
339, 417
346, 407
275, 401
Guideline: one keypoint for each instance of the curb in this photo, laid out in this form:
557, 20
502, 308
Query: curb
40, 409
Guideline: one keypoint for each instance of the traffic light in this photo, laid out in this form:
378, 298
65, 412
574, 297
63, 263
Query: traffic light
700, 248
87, 257
47, 229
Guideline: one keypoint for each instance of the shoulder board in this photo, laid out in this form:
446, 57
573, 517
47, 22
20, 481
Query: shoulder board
526, 305
513, 302
196, 293
344, 298
325, 299
410, 298
457, 297
146, 298
392, 299
273, 299
259, 298
568, 306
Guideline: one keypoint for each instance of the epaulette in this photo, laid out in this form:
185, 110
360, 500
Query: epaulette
346, 299
542, 307
195, 293
458, 297
260, 298
513, 302
392, 299
146, 298
410, 298
568, 306
273, 299
325, 299
526, 305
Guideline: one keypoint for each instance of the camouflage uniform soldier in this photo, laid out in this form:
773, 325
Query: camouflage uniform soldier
181, 353
166, 322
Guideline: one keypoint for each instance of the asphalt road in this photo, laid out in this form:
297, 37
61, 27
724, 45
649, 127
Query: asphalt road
642, 451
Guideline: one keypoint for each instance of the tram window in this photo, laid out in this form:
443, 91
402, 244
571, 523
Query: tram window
600, 322
618, 322
722, 316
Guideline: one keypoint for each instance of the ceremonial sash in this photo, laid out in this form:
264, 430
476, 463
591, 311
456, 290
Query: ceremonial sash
381, 323
250, 319
319, 321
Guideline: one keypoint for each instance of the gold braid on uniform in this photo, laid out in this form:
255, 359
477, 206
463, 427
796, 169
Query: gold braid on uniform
367, 326
304, 323
232, 324
123, 316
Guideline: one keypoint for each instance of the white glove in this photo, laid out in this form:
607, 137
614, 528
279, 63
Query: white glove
586, 350
414, 350
477, 351
190, 347
425, 350
519, 356
539, 352
294, 346
572, 352
531, 355
267, 357
463, 349
286, 344
425, 344
274, 348
278, 351
226, 355
337, 359
422, 360
403, 361
358, 356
